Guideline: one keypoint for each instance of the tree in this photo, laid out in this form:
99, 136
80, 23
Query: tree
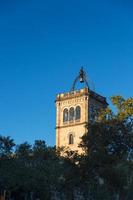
23, 151
6, 146
107, 145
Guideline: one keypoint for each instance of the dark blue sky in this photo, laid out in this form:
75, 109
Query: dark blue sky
42, 46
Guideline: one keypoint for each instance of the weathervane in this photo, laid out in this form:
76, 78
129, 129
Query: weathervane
81, 77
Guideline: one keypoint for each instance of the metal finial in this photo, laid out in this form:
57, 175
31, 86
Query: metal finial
81, 77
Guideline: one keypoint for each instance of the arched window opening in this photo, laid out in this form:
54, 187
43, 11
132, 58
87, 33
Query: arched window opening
77, 113
92, 113
65, 115
71, 139
71, 114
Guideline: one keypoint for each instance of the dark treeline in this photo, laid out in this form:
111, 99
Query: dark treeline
103, 172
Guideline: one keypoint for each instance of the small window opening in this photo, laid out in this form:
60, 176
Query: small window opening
71, 139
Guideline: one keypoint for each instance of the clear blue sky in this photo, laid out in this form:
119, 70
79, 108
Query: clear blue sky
42, 46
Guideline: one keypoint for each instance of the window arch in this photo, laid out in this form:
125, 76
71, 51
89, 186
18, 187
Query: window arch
77, 112
65, 115
71, 139
71, 114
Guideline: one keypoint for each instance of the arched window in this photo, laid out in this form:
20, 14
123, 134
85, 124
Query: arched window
92, 114
77, 112
65, 115
71, 114
71, 139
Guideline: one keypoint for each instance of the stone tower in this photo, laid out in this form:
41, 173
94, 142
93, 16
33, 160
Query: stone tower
74, 110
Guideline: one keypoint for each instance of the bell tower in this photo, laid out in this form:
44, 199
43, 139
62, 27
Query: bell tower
74, 109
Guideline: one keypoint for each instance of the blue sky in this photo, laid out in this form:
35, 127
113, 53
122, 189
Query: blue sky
42, 46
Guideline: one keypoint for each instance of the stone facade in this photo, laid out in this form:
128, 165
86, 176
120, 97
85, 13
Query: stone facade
70, 130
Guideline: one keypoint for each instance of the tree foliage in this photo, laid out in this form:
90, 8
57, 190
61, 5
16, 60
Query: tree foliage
108, 145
